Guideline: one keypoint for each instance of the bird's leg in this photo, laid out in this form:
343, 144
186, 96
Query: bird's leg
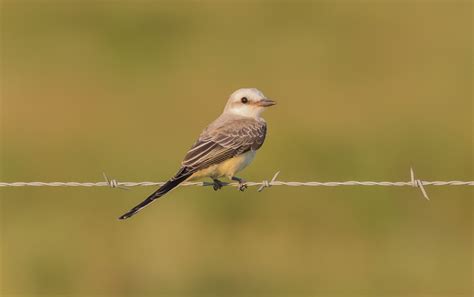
217, 184
242, 183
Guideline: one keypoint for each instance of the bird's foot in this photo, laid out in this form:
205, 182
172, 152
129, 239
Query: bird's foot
242, 183
218, 184
242, 187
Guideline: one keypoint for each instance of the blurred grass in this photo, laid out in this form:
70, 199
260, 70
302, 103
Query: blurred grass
365, 90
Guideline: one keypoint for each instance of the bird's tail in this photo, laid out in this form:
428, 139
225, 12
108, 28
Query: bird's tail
181, 176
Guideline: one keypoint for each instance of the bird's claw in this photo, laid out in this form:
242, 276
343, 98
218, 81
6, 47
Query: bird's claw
218, 185
242, 186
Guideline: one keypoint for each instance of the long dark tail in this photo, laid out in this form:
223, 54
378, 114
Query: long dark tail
181, 176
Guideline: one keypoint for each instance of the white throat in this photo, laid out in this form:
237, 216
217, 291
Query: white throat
245, 111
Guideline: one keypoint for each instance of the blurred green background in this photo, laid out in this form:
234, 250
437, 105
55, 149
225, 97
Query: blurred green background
365, 90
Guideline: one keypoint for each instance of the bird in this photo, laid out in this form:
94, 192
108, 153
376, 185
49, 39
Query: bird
224, 148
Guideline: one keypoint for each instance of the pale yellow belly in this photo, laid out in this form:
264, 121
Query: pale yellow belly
227, 168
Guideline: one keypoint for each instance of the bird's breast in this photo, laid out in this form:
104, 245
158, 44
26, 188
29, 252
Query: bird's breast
228, 168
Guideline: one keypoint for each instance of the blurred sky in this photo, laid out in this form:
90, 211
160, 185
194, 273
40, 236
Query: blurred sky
365, 90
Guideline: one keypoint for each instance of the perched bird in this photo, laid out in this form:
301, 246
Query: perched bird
224, 148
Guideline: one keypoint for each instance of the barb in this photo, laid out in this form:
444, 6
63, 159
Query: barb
266, 184
113, 183
414, 182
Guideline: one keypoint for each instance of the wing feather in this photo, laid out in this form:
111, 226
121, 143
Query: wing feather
223, 140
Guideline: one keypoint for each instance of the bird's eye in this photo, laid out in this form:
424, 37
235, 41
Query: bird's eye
244, 100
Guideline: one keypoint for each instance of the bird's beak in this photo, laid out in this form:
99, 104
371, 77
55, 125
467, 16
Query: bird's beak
265, 102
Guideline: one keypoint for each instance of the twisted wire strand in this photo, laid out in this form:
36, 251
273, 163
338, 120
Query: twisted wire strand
416, 183
250, 184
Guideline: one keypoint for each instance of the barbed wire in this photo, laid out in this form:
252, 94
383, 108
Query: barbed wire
413, 182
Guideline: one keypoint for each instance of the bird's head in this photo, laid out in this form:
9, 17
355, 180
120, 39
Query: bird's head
248, 103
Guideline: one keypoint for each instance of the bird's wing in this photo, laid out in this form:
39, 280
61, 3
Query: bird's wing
226, 140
